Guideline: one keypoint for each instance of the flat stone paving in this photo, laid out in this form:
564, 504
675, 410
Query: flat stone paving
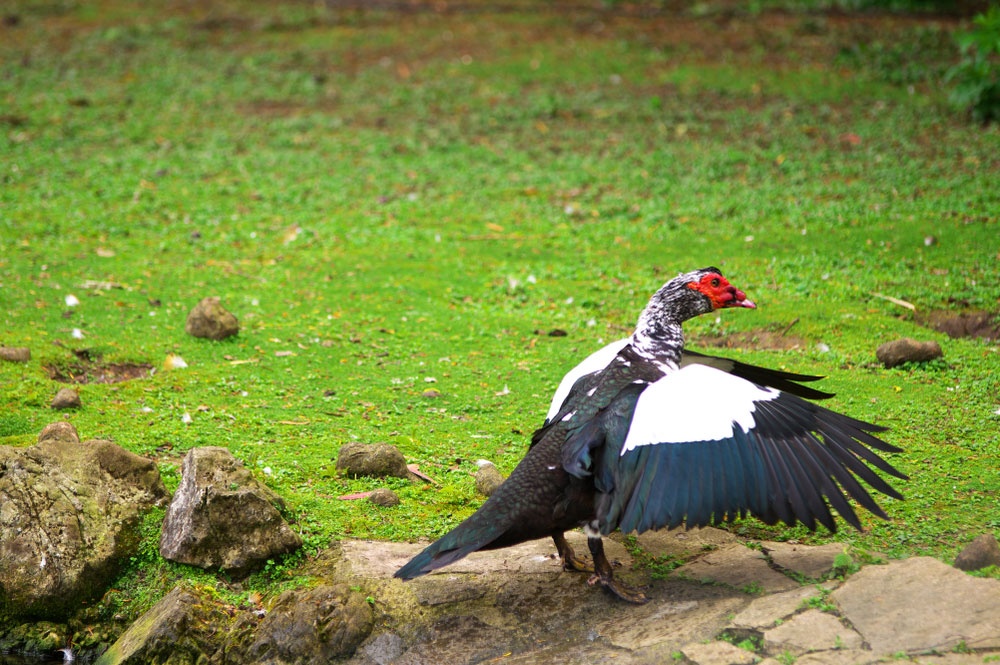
729, 604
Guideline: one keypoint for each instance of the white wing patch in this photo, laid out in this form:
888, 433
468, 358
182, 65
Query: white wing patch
695, 403
595, 362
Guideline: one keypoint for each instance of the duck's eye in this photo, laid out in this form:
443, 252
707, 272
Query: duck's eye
715, 283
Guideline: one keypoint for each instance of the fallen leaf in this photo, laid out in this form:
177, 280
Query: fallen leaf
415, 470
356, 495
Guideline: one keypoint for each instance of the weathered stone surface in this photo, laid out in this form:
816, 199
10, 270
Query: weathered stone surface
210, 320
837, 657
764, 612
681, 615
685, 543
811, 561
377, 460
66, 398
811, 630
739, 567
15, 354
59, 431
385, 649
981, 658
384, 497
458, 639
222, 517
381, 559
431, 592
488, 478
175, 631
532, 612
717, 653
312, 627
904, 350
983, 551
921, 604
68, 512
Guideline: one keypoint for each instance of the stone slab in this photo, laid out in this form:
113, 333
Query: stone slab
812, 561
763, 612
678, 614
913, 605
739, 567
717, 653
381, 559
685, 543
811, 630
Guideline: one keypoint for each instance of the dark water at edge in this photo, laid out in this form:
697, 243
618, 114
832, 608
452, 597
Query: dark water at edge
11, 659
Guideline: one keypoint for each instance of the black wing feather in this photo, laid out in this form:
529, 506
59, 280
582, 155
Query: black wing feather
796, 463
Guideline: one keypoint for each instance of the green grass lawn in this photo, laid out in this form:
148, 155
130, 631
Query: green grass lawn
397, 201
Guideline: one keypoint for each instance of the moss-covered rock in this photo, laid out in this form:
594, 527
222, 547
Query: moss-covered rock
209, 319
178, 630
68, 512
376, 460
222, 517
313, 626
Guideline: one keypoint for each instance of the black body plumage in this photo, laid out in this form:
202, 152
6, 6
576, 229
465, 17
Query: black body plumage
644, 435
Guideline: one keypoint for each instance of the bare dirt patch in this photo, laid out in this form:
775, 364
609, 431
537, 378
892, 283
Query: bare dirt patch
985, 325
97, 372
771, 340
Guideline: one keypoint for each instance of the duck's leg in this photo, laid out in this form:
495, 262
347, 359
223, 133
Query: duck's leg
569, 558
603, 575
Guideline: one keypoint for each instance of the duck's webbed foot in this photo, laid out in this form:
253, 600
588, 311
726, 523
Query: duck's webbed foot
570, 560
603, 575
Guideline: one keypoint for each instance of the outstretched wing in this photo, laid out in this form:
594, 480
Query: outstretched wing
700, 446
595, 362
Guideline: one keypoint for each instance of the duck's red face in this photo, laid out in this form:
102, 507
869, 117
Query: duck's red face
720, 292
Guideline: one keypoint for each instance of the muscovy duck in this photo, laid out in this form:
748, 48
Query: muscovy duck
644, 434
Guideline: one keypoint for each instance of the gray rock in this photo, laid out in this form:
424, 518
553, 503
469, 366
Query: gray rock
385, 649
488, 478
458, 640
431, 592
685, 543
68, 514
717, 653
175, 631
59, 431
811, 630
739, 567
312, 626
921, 604
838, 657
15, 354
210, 320
384, 497
983, 551
66, 398
681, 614
764, 612
377, 460
380, 560
810, 561
222, 517
904, 350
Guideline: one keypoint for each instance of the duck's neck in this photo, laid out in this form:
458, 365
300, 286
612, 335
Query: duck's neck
659, 339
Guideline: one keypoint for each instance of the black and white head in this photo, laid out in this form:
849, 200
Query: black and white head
686, 296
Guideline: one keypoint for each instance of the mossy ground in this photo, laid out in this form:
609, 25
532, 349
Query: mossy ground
392, 201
